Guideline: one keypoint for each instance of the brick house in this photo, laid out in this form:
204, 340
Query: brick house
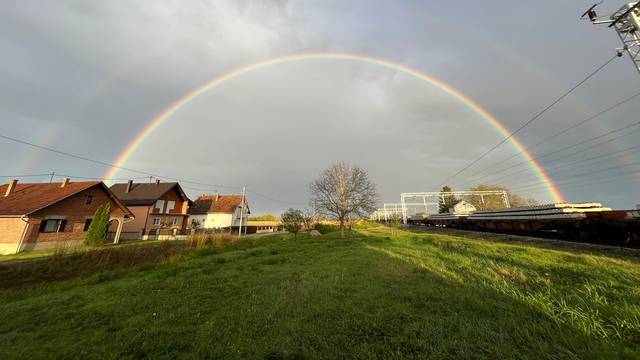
48, 215
219, 211
159, 207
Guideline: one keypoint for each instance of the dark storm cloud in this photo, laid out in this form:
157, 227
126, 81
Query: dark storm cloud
86, 77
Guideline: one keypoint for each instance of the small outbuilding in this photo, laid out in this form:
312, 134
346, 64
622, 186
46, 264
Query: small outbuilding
462, 207
219, 212
262, 226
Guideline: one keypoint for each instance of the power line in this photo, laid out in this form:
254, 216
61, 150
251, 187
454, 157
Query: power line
536, 158
22, 176
562, 132
591, 182
568, 166
98, 178
623, 166
528, 122
103, 163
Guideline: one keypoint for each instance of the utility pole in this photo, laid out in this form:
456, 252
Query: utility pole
53, 173
241, 213
626, 22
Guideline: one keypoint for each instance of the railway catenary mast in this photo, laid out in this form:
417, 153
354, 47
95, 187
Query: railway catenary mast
504, 196
626, 22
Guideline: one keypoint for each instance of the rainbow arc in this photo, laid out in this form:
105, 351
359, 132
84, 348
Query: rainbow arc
166, 114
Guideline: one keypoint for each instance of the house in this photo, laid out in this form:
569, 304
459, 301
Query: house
219, 211
462, 207
262, 226
159, 207
48, 215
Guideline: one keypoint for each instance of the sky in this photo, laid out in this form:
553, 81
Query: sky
87, 77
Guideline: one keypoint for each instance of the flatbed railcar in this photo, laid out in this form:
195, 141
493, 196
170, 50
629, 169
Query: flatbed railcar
582, 222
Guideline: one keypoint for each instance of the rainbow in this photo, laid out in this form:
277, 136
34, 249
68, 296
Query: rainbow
540, 173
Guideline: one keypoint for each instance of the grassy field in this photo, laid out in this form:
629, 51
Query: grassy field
373, 295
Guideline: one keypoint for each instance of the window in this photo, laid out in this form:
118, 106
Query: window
52, 225
88, 200
170, 205
174, 221
87, 223
160, 205
156, 221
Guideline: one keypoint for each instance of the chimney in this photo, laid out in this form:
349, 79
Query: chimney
65, 182
129, 186
11, 187
158, 182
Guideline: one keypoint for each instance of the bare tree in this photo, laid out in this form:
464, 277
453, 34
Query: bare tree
309, 218
344, 191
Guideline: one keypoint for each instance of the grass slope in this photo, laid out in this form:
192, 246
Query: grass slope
371, 296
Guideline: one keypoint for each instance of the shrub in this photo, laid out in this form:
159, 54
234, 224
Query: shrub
97, 232
292, 220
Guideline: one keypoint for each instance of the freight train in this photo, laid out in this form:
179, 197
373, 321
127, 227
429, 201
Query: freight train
579, 222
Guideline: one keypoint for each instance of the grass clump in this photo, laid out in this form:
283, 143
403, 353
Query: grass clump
326, 228
216, 240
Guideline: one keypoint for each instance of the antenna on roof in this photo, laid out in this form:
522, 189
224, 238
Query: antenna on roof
53, 173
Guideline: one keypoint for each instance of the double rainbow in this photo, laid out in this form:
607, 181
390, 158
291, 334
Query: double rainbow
540, 173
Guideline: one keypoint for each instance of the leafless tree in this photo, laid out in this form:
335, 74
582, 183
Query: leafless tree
344, 191
309, 218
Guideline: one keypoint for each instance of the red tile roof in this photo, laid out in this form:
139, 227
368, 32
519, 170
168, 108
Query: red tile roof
205, 204
27, 198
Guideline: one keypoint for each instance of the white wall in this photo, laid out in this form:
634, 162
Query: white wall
220, 220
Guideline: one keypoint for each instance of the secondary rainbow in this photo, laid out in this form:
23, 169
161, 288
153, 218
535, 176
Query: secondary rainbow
540, 173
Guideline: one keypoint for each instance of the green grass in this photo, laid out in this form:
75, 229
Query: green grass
369, 296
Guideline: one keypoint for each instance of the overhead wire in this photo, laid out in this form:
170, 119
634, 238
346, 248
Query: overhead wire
103, 163
545, 155
556, 135
528, 122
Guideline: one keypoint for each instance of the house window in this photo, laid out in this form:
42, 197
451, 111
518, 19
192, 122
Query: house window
170, 205
88, 200
87, 223
52, 225
174, 221
156, 221
160, 205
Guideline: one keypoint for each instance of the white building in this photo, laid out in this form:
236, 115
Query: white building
462, 207
218, 211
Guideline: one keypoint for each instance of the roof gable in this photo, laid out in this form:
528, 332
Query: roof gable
207, 204
27, 198
146, 194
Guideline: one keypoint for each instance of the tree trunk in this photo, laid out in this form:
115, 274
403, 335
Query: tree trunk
342, 228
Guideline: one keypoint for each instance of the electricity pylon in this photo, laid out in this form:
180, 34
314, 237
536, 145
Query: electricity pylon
626, 22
